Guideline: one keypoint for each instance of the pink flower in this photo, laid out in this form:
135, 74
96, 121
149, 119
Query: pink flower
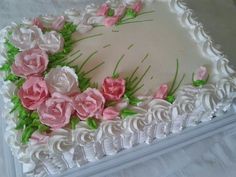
90, 103
56, 111
162, 92
59, 23
37, 22
113, 89
201, 73
137, 7
103, 10
30, 62
110, 21
33, 92
120, 11
110, 113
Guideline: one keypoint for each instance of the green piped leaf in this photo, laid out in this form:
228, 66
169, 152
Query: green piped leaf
170, 98
130, 13
133, 100
92, 123
125, 113
110, 12
73, 122
27, 133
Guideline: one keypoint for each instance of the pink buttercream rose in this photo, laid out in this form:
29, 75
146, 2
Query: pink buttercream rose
59, 23
103, 10
30, 62
90, 103
56, 111
137, 7
120, 11
110, 21
113, 89
33, 92
110, 113
37, 22
162, 92
201, 73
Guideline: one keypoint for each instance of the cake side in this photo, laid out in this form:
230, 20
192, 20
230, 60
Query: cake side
155, 119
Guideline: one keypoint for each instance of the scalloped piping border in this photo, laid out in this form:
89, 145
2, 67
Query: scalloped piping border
62, 153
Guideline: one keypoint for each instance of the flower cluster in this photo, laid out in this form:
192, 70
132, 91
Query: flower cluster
113, 16
52, 96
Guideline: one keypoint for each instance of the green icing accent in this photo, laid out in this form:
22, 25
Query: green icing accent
130, 13
115, 74
94, 68
130, 46
125, 113
132, 85
147, 12
75, 53
170, 98
105, 46
171, 92
73, 122
137, 21
11, 51
88, 37
145, 57
133, 100
92, 123
110, 12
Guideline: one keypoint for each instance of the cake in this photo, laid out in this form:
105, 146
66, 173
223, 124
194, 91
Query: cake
85, 85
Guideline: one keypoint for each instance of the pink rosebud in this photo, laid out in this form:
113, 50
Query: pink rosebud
110, 113
30, 62
137, 7
162, 92
201, 73
120, 11
33, 92
103, 10
110, 21
113, 89
90, 103
56, 111
59, 23
37, 22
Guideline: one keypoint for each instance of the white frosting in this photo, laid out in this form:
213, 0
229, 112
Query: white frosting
155, 119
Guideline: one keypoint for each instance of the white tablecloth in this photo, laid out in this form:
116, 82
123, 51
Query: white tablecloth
211, 157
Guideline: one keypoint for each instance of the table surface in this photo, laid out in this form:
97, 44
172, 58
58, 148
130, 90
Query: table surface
214, 156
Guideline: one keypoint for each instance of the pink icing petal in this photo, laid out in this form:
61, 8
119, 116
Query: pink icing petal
90, 103
103, 10
58, 24
137, 7
33, 92
201, 73
110, 113
37, 22
110, 21
30, 62
162, 92
120, 11
113, 89
56, 111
